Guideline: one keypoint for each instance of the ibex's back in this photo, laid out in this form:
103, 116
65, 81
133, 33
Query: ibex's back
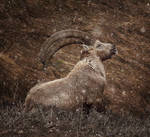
84, 84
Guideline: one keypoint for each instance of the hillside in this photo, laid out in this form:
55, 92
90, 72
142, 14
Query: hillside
25, 25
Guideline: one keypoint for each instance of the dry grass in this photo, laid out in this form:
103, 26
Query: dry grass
55, 123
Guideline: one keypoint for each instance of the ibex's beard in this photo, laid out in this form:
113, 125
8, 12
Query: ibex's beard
106, 57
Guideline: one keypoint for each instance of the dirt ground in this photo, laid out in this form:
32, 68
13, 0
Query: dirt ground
25, 25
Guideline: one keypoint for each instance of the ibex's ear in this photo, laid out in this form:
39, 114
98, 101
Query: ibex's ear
97, 43
85, 47
85, 51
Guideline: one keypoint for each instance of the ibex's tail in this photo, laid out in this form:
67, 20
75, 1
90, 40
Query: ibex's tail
61, 39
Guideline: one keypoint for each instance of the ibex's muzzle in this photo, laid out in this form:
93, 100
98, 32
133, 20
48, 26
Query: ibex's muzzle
114, 50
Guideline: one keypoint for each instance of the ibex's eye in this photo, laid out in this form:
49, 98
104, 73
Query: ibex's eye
98, 46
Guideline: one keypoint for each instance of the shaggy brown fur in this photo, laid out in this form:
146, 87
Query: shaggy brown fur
84, 84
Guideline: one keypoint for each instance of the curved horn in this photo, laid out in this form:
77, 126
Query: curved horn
61, 39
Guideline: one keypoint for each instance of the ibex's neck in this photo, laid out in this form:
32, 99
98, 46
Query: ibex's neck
88, 55
91, 64
96, 64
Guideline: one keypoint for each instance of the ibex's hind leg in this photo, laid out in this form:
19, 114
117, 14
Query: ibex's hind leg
28, 105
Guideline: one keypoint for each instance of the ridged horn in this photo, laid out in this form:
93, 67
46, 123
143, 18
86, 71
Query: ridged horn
61, 39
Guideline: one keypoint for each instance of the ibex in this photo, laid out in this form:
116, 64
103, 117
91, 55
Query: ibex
84, 84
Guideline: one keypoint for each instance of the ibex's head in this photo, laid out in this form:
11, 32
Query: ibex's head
68, 37
102, 50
